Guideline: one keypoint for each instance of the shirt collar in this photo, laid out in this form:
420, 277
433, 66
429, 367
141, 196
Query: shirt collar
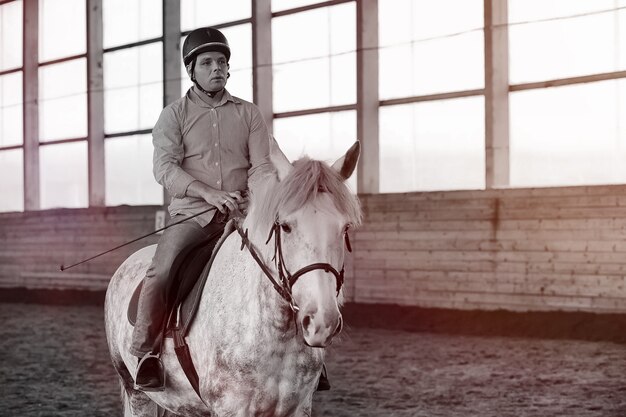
194, 96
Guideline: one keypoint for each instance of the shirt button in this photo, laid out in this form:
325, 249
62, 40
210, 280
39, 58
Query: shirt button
219, 182
214, 124
217, 163
216, 145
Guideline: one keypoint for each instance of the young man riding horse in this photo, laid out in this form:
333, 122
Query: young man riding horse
208, 146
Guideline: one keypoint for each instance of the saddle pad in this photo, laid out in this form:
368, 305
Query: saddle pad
187, 299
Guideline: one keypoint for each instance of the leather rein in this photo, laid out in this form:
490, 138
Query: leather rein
285, 282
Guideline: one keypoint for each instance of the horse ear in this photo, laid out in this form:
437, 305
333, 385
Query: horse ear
280, 161
347, 163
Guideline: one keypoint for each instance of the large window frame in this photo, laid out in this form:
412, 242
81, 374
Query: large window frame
7, 149
64, 141
496, 91
327, 113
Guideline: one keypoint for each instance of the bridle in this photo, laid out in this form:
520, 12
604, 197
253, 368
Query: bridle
285, 282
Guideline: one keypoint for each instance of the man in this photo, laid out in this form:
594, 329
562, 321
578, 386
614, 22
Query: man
208, 145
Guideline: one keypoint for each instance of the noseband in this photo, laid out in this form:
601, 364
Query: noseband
286, 280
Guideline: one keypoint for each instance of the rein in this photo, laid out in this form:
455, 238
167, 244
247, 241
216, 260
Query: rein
286, 280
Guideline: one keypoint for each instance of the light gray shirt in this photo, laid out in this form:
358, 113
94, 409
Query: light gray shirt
225, 147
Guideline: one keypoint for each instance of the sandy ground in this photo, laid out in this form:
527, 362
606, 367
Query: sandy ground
54, 363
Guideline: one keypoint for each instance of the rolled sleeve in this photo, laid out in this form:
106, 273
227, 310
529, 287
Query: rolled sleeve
180, 183
259, 148
169, 153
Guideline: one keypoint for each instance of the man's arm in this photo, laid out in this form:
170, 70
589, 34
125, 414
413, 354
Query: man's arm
259, 149
169, 154
167, 159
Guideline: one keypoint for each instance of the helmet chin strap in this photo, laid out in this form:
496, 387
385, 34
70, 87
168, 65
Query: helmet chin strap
208, 93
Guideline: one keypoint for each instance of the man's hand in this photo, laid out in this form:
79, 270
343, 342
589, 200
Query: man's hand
222, 200
243, 205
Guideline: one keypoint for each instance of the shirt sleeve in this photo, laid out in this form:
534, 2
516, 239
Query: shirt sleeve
169, 153
258, 148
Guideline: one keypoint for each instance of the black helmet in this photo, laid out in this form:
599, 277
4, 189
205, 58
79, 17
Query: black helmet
203, 40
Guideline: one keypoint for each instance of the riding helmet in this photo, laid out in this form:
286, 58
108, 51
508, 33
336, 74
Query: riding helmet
204, 40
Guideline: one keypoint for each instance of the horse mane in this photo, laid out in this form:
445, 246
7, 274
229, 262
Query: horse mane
303, 184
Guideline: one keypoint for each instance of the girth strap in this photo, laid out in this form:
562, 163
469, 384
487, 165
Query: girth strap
184, 358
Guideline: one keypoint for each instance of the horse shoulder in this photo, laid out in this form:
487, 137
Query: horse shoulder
124, 280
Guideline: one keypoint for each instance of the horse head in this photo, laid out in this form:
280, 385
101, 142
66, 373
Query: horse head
309, 211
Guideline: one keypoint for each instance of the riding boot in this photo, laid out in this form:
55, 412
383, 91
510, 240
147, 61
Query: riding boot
150, 374
323, 384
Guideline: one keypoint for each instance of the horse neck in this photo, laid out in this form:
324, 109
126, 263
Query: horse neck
245, 327
258, 304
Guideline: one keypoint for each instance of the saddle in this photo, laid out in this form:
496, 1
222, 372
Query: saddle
191, 270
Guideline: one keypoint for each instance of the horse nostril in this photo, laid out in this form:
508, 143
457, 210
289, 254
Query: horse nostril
305, 322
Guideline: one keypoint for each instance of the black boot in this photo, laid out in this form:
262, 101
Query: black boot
150, 374
323, 384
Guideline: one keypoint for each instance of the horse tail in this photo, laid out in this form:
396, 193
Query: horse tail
125, 395
136, 403
125, 399
126, 388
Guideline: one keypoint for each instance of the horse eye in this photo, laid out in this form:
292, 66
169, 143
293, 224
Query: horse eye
286, 228
346, 228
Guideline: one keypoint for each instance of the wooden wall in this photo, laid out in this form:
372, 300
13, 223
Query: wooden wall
33, 245
524, 249
520, 250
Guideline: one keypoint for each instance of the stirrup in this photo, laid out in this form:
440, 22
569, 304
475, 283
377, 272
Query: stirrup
155, 382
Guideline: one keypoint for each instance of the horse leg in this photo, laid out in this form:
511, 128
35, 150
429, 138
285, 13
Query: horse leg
138, 404
306, 409
135, 403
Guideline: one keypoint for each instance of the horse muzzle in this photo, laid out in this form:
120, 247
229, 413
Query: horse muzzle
319, 330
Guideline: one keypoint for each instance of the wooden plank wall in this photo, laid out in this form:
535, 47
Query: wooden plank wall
34, 244
519, 250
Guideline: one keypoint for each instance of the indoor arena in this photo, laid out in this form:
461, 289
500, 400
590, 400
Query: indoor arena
290, 208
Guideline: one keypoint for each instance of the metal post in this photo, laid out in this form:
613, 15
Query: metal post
31, 105
95, 80
497, 149
262, 59
368, 175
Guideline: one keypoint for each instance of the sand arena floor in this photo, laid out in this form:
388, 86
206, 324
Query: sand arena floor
54, 363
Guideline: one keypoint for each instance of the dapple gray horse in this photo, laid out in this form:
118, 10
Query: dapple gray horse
258, 347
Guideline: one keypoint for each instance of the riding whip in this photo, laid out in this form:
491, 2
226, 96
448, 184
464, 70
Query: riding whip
63, 268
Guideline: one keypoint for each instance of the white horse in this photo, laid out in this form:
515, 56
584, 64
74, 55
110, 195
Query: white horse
257, 347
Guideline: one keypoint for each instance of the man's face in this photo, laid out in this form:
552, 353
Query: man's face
211, 70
